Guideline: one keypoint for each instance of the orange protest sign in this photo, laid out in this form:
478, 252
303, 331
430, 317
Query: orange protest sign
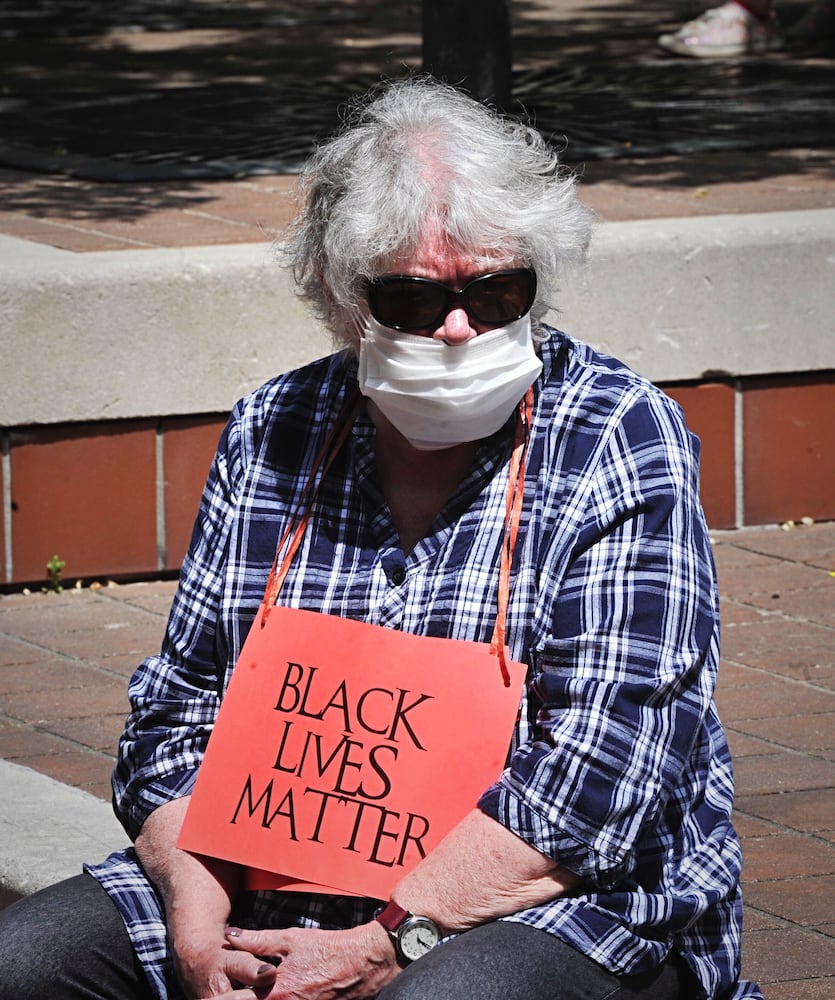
343, 752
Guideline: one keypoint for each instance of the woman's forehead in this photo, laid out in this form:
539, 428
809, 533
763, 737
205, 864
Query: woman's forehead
435, 256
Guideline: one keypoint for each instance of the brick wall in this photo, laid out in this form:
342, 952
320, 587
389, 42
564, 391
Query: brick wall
117, 498
768, 447
111, 498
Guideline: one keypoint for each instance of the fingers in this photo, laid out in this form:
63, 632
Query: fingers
260, 978
248, 970
266, 943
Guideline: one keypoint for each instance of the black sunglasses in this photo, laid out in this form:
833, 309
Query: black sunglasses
404, 302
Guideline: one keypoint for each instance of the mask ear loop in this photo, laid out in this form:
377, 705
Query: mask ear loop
513, 516
359, 320
301, 515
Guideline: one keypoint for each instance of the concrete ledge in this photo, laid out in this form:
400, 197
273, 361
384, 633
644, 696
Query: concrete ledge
716, 296
147, 333
47, 830
143, 333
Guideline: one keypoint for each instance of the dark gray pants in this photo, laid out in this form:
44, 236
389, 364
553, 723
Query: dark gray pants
68, 942
508, 961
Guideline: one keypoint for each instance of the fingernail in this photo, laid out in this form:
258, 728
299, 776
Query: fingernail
233, 932
266, 967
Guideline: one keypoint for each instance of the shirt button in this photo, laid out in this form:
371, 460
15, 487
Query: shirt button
398, 575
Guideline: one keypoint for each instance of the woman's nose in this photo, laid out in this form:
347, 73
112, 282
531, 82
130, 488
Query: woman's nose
456, 328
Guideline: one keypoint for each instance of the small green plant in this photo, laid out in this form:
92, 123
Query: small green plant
54, 573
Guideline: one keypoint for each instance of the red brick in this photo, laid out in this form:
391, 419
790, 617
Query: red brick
46, 672
795, 648
266, 204
789, 441
788, 855
40, 707
180, 226
135, 640
749, 826
189, 445
814, 604
21, 600
742, 745
735, 675
155, 596
66, 235
87, 769
13, 652
813, 544
734, 613
804, 901
808, 733
772, 576
709, 409
100, 732
787, 954
780, 772
19, 741
809, 811
124, 665
86, 493
756, 920
769, 699
82, 624
737, 569
803, 989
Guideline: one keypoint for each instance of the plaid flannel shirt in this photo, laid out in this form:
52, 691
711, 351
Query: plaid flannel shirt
618, 768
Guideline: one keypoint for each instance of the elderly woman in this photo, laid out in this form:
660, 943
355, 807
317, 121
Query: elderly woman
602, 861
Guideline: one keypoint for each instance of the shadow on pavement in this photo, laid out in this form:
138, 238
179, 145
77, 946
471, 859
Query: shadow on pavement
149, 91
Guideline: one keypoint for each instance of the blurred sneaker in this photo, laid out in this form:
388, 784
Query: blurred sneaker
729, 30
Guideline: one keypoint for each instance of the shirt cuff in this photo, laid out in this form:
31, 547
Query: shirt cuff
567, 850
166, 788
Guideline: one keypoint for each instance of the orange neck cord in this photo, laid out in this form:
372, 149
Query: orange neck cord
293, 534
513, 516
301, 515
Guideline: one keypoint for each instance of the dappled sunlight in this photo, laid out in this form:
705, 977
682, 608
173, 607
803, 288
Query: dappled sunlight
147, 104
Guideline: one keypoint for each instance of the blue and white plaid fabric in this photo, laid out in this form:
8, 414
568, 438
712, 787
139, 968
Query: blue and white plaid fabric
618, 768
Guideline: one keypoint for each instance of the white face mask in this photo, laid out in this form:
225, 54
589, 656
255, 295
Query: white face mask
439, 395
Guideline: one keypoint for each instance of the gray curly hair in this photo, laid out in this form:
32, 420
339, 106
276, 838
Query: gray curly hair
416, 154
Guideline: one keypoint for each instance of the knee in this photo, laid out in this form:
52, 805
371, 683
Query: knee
21, 954
400, 989
61, 940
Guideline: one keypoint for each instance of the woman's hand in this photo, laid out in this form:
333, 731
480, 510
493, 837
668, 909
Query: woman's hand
211, 969
197, 893
313, 964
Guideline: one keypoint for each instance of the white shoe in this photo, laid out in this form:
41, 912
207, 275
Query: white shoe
729, 30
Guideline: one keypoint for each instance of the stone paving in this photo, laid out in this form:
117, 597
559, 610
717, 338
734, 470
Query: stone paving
65, 659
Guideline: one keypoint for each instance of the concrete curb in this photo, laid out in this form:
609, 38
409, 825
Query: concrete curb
47, 830
149, 333
711, 296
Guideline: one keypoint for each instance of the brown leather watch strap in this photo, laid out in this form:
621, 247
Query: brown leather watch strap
392, 916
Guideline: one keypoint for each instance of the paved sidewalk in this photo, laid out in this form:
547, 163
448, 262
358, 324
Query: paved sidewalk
602, 60
65, 659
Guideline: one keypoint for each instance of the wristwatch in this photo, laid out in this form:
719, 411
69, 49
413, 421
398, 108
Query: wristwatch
413, 936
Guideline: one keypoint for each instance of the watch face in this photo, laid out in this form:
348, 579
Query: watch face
417, 936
